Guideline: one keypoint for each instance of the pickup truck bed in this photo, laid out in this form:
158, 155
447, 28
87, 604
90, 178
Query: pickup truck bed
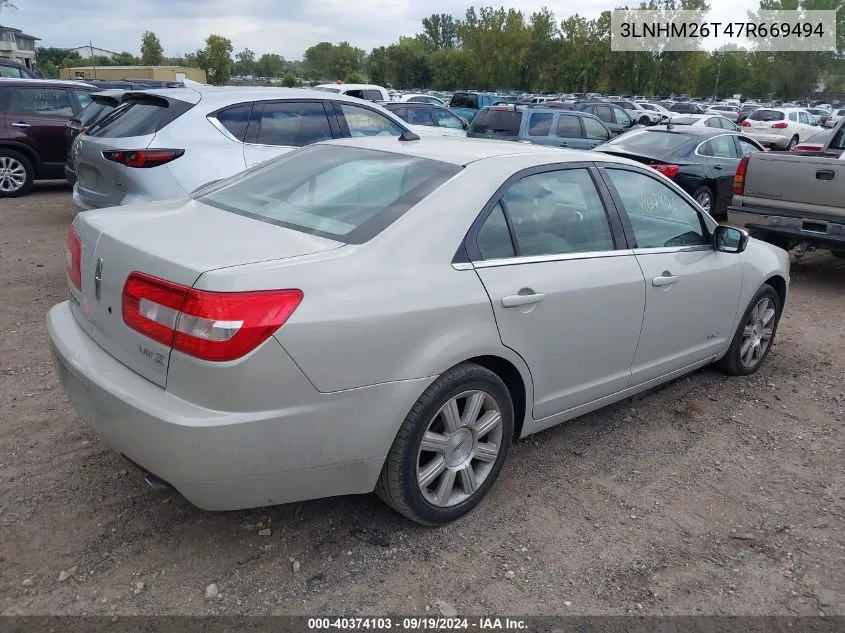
792, 199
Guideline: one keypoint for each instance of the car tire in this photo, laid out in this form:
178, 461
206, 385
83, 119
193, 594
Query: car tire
704, 197
792, 143
644, 120
738, 361
16, 174
465, 405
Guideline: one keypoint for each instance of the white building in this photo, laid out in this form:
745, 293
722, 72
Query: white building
87, 52
18, 46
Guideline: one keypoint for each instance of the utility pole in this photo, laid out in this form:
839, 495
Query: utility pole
93, 63
721, 57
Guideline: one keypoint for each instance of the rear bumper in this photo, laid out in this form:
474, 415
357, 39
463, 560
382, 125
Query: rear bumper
325, 445
762, 224
770, 140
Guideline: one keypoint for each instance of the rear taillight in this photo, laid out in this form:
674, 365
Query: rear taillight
143, 158
666, 170
216, 326
739, 177
745, 123
73, 258
780, 126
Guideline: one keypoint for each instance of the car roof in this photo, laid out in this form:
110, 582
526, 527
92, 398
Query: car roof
688, 130
220, 96
44, 83
463, 151
409, 104
352, 86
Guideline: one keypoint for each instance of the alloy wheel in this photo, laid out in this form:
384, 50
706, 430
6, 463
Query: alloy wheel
459, 448
12, 174
758, 332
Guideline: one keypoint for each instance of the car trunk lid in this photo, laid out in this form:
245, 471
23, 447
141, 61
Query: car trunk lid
174, 241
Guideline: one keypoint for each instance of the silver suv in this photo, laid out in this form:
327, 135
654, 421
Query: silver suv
168, 143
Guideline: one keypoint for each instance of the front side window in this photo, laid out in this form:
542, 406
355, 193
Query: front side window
540, 124
558, 212
347, 194
365, 122
595, 130
622, 116
448, 120
659, 216
50, 101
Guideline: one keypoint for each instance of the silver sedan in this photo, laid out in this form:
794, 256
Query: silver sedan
389, 315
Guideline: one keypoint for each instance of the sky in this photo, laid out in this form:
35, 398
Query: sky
286, 27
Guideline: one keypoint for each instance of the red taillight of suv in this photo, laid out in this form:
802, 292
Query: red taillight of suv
667, 170
780, 126
745, 123
215, 326
143, 158
73, 258
739, 177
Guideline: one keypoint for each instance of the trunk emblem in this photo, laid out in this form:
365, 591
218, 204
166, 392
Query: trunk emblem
98, 277
78, 147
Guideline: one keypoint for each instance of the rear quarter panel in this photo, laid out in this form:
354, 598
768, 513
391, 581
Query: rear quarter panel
394, 308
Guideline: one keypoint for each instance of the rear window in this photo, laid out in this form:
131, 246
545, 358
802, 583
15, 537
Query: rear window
464, 101
646, 140
139, 118
346, 194
766, 115
840, 113
497, 121
683, 120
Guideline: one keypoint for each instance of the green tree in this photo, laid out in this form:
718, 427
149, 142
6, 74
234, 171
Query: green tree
378, 66
270, 65
51, 59
151, 51
440, 31
289, 80
245, 63
217, 59
333, 61
126, 59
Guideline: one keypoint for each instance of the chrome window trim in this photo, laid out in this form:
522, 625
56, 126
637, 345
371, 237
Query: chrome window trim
699, 146
222, 129
541, 259
672, 249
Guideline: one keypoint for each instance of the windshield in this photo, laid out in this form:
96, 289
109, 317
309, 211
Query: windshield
327, 89
649, 141
343, 193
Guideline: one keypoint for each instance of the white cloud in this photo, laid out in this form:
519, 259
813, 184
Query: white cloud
287, 27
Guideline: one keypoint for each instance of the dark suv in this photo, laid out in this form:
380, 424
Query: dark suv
13, 70
541, 126
33, 117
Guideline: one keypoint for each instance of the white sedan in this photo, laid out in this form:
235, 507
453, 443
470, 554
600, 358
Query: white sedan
383, 314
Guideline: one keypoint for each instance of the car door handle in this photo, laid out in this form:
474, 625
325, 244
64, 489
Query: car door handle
564, 144
664, 280
719, 167
515, 301
825, 174
21, 124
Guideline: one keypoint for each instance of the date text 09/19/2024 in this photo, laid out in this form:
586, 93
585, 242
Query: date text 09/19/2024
417, 624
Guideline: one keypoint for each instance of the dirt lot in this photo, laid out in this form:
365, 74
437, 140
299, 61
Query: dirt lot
709, 495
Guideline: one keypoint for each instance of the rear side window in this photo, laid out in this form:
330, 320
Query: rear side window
719, 147
83, 97
418, 116
494, 237
236, 120
49, 101
497, 122
344, 193
293, 123
569, 127
140, 117
540, 123
766, 115
94, 111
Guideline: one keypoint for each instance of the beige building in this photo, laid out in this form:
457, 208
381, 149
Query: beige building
160, 73
18, 46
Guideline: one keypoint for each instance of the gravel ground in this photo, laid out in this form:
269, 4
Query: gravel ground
711, 495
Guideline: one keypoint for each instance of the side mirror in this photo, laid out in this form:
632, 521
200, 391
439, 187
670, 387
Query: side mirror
729, 239
464, 123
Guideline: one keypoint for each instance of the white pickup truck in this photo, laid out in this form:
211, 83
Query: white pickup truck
795, 200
